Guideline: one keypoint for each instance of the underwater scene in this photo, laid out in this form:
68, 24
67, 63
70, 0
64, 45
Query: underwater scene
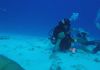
49, 34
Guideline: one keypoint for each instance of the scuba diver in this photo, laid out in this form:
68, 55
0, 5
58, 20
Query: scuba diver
83, 42
86, 42
61, 36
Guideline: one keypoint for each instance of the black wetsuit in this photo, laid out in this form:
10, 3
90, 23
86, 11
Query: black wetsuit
96, 43
60, 28
97, 48
85, 42
65, 43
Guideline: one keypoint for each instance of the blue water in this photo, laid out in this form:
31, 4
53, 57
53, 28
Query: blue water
37, 17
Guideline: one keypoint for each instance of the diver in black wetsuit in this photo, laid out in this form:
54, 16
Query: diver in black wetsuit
82, 39
61, 35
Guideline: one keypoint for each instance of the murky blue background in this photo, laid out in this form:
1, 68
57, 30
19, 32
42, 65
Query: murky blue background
37, 17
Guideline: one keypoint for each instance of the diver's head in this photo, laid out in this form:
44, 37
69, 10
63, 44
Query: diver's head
82, 34
64, 22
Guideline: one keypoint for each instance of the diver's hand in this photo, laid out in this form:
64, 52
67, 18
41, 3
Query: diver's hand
53, 38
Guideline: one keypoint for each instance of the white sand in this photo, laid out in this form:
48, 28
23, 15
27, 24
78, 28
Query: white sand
33, 53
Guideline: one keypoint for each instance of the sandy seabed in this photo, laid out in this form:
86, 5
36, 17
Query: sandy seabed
33, 53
